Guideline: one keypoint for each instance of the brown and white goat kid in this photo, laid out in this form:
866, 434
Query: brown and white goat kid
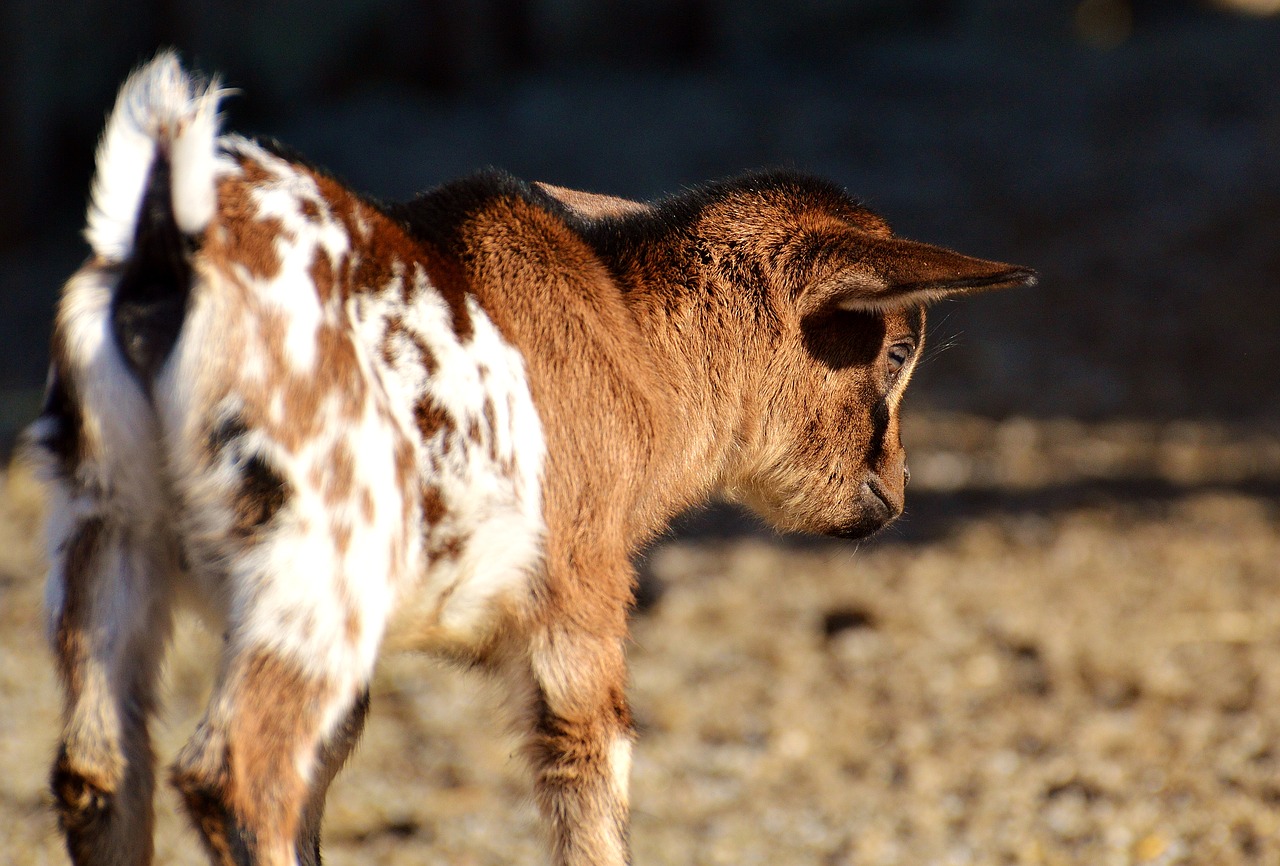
447, 425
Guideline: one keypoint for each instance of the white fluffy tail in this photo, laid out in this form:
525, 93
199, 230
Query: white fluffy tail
161, 109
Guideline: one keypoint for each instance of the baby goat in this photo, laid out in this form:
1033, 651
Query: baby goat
332, 424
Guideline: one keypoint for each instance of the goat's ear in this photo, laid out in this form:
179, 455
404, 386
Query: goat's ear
878, 273
592, 205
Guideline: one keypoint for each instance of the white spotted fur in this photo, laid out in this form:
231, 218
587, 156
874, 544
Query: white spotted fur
499, 518
159, 106
149, 479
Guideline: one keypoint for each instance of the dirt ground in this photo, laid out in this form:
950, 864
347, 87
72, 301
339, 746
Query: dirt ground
1067, 653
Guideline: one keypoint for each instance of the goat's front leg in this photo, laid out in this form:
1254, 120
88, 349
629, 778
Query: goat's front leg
579, 744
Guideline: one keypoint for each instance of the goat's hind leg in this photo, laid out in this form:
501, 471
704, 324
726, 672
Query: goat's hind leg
255, 773
333, 757
246, 774
288, 702
109, 621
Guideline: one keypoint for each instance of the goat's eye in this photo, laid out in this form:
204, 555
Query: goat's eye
898, 354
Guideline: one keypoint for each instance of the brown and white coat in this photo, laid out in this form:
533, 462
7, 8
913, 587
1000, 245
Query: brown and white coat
334, 426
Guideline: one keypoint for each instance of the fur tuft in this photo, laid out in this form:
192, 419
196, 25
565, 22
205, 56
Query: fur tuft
161, 108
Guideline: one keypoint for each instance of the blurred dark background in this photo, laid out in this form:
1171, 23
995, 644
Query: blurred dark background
1126, 148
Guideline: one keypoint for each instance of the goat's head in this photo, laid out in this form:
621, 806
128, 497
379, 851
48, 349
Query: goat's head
822, 451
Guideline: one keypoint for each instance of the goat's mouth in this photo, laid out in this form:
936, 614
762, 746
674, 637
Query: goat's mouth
877, 510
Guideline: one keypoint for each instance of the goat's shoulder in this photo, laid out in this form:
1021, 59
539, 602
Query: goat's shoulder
448, 215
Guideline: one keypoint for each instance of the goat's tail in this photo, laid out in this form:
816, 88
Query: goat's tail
154, 193
163, 116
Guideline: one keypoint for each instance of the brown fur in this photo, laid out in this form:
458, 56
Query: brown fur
261, 494
246, 240
744, 352
337, 749
238, 776
82, 553
752, 340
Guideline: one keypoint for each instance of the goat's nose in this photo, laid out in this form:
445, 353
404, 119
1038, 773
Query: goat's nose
906, 475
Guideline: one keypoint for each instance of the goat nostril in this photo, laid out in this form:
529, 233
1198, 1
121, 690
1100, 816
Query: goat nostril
906, 475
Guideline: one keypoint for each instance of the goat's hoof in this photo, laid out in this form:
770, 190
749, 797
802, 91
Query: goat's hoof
80, 802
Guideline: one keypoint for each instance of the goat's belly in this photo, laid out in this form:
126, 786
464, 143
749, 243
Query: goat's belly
463, 397
478, 574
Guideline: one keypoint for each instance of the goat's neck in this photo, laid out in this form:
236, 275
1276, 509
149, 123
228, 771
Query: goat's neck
708, 348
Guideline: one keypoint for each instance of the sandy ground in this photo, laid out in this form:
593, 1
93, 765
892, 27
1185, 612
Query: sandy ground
1068, 653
